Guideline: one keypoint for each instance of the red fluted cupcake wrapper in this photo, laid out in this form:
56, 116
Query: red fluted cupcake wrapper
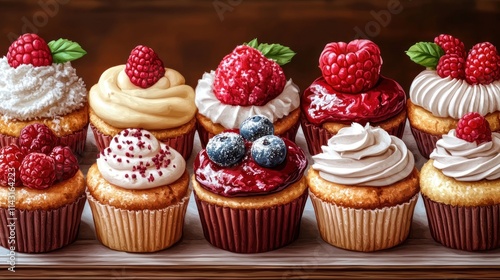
317, 136
138, 231
182, 144
464, 228
251, 230
75, 141
426, 142
39, 231
363, 230
205, 135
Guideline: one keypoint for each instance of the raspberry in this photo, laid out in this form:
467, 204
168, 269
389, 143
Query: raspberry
246, 77
10, 159
353, 67
451, 65
38, 171
144, 67
29, 49
450, 44
37, 138
66, 162
473, 127
482, 64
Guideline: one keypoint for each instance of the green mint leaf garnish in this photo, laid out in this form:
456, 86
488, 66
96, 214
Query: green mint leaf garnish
64, 50
279, 53
426, 54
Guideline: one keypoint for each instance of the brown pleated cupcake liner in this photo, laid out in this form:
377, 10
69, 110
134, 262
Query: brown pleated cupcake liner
40, 231
182, 144
75, 141
138, 231
251, 230
317, 136
363, 230
464, 228
426, 142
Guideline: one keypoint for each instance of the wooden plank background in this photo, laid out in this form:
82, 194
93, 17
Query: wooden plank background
192, 36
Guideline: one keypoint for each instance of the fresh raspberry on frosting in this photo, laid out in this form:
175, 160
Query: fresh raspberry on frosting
10, 160
29, 49
351, 67
473, 127
37, 171
144, 67
482, 64
37, 138
246, 77
66, 164
451, 65
450, 44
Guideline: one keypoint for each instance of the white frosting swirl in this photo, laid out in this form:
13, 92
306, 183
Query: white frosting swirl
230, 116
28, 92
447, 97
136, 160
467, 161
366, 156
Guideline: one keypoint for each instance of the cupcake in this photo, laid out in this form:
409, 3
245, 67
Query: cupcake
42, 193
248, 81
143, 94
351, 89
138, 191
39, 85
453, 84
249, 188
363, 187
461, 186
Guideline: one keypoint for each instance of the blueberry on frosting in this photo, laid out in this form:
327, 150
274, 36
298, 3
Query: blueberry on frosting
226, 149
255, 127
269, 151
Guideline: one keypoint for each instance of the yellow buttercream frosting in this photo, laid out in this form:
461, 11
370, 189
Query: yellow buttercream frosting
167, 104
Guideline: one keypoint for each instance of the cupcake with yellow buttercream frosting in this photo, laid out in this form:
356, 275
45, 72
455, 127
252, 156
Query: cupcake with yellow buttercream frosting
143, 94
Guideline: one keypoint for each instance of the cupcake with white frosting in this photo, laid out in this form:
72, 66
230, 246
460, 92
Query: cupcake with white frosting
364, 176
461, 186
143, 181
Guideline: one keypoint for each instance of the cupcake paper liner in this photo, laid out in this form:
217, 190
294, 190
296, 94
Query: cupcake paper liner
251, 230
425, 142
464, 228
317, 136
75, 141
182, 144
39, 231
138, 231
205, 135
363, 230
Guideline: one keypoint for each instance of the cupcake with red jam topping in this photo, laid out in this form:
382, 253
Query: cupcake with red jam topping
461, 186
351, 89
364, 188
42, 193
143, 94
454, 83
248, 81
249, 188
138, 191
39, 85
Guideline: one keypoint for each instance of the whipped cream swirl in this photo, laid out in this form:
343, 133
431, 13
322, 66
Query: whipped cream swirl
136, 160
230, 116
366, 156
448, 97
467, 161
28, 92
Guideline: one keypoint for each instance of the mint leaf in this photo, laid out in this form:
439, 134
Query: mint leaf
64, 50
426, 54
254, 44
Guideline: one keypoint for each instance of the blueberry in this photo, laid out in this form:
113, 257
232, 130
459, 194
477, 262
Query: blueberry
255, 127
269, 151
226, 149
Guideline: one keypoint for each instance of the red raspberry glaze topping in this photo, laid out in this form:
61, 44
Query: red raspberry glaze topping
321, 103
249, 178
